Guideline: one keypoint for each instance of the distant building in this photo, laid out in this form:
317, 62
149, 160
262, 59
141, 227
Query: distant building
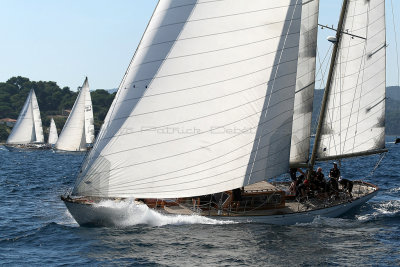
7, 121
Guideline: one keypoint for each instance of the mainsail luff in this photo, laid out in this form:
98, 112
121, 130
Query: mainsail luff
39, 137
355, 120
305, 84
203, 71
53, 136
23, 131
72, 136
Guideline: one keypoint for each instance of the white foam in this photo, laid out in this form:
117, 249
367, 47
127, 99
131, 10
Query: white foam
135, 214
386, 209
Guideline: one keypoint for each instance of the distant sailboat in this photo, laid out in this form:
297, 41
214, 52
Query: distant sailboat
27, 132
218, 99
53, 136
78, 130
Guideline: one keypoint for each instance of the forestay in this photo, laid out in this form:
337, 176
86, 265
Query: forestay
355, 114
206, 104
305, 83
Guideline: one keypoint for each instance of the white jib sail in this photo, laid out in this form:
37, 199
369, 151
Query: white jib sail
53, 136
355, 117
89, 123
23, 131
72, 136
206, 104
37, 119
305, 83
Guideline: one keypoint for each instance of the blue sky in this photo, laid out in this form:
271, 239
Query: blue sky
65, 40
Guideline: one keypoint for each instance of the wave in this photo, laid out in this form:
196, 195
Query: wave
135, 214
388, 209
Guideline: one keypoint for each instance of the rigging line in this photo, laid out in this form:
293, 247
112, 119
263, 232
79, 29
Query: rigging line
376, 166
272, 89
397, 48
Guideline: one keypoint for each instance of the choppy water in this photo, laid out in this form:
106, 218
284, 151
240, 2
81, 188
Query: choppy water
36, 229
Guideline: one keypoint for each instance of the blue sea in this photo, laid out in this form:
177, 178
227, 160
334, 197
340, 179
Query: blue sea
36, 228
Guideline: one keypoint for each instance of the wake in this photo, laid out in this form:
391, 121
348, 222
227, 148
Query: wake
130, 213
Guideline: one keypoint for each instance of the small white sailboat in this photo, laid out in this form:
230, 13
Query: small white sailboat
53, 136
78, 130
27, 132
219, 97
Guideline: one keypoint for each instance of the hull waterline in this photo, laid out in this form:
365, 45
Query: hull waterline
90, 214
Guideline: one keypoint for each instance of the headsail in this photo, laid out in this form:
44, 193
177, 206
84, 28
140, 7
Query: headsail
53, 136
37, 119
72, 136
206, 104
305, 83
355, 115
23, 131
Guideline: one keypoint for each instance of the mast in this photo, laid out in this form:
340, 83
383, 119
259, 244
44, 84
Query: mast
327, 87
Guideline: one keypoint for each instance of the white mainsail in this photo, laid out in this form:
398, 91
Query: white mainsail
28, 127
355, 114
72, 136
89, 122
206, 104
305, 84
53, 136
37, 119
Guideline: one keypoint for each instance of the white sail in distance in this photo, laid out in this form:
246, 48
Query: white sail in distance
305, 83
89, 122
53, 136
355, 114
206, 104
37, 119
72, 136
28, 125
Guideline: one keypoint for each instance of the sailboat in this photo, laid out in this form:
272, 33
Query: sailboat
53, 136
27, 132
217, 101
78, 130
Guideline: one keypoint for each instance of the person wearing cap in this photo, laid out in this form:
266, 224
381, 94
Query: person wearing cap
335, 172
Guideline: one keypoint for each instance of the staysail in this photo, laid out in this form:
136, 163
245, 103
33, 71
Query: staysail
72, 136
53, 136
305, 84
206, 104
355, 115
28, 127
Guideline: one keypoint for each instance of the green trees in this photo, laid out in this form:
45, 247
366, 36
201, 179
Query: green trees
52, 100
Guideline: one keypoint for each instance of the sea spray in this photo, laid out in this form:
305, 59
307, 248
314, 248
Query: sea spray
131, 213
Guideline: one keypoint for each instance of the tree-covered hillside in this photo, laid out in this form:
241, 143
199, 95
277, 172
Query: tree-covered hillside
52, 100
